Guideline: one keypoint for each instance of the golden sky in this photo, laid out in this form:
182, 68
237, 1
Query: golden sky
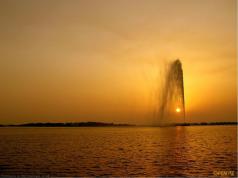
100, 60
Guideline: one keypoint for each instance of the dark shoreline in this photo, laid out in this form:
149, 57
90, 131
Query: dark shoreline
200, 124
67, 124
102, 124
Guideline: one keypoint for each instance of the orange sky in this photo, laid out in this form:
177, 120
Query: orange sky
64, 61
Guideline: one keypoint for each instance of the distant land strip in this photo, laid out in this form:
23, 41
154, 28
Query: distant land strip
203, 123
68, 124
103, 124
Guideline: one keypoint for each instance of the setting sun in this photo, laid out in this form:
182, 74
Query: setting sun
178, 110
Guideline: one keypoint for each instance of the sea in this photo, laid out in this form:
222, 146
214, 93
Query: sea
118, 151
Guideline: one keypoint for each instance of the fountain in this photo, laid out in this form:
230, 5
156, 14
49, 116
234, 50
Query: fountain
172, 104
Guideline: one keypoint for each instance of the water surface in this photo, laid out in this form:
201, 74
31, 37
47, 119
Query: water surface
118, 151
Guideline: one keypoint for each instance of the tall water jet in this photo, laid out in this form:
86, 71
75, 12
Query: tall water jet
172, 104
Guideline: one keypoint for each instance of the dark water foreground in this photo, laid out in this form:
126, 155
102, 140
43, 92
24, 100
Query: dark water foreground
119, 151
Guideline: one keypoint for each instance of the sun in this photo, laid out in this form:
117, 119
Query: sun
178, 110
